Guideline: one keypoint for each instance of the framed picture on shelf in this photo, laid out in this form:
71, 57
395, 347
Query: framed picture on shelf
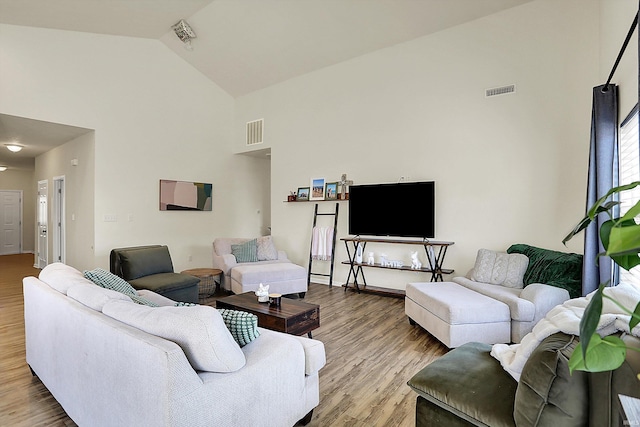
331, 191
303, 194
317, 189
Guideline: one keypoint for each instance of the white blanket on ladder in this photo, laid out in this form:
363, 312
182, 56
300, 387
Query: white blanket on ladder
322, 243
566, 318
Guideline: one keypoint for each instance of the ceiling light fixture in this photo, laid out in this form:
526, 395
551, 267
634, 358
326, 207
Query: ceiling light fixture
3, 168
13, 147
185, 33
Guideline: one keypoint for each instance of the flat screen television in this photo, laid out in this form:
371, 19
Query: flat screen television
405, 209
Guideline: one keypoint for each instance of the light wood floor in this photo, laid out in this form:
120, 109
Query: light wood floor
372, 352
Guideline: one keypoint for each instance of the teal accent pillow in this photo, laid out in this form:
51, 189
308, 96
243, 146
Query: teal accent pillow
246, 252
242, 325
109, 280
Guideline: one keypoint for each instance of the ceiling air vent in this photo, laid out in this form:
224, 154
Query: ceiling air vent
502, 90
254, 132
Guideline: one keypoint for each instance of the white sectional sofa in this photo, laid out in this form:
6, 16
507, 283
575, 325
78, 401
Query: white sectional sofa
105, 372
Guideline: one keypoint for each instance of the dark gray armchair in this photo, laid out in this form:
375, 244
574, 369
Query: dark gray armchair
150, 267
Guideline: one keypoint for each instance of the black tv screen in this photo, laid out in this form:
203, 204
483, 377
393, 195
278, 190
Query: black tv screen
405, 209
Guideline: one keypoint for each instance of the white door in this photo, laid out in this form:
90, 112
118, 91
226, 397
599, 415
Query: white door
58, 220
43, 225
10, 221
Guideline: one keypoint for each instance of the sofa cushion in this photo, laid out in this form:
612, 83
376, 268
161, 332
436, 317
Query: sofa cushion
160, 300
268, 273
470, 383
94, 296
498, 268
547, 393
61, 277
560, 269
246, 252
242, 325
199, 330
266, 249
138, 263
164, 282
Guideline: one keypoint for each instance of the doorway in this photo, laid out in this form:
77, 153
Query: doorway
58, 219
43, 225
11, 222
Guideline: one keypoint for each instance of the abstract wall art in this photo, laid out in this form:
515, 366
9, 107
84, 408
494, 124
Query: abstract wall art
185, 196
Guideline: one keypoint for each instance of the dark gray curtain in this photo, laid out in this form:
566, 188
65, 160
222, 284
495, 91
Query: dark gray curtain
603, 175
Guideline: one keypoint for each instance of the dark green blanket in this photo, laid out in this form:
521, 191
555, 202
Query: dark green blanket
560, 269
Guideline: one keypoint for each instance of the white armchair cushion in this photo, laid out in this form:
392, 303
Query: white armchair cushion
199, 330
521, 309
500, 268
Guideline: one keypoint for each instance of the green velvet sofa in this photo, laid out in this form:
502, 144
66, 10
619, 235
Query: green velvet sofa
150, 267
468, 387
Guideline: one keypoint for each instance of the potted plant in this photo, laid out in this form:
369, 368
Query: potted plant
620, 238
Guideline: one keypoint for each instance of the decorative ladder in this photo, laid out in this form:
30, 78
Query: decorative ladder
333, 245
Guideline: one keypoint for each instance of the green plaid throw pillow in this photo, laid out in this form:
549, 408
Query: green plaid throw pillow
242, 325
109, 280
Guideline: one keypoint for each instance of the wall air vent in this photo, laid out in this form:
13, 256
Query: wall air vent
502, 90
254, 132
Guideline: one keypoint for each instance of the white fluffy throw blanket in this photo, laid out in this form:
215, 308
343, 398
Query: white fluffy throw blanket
566, 318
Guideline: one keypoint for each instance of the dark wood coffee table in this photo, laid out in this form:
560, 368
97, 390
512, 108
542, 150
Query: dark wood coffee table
292, 317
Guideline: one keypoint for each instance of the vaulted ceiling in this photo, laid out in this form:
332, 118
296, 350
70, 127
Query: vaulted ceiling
247, 45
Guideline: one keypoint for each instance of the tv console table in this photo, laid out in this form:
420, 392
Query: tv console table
434, 262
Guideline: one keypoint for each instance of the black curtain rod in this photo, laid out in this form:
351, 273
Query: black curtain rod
624, 46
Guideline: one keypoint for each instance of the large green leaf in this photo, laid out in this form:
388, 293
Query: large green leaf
596, 206
633, 212
624, 238
584, 223
590, 319
635, 318
602, 354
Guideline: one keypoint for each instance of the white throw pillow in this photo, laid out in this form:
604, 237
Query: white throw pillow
199, 330
500, 268
266, 249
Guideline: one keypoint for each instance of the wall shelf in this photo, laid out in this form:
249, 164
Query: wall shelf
315, 201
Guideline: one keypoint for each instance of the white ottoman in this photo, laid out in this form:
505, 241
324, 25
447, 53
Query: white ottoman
457, 315
282, 277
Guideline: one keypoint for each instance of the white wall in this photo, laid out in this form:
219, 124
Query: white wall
508, 169
23, 180
154, 116
79, 196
